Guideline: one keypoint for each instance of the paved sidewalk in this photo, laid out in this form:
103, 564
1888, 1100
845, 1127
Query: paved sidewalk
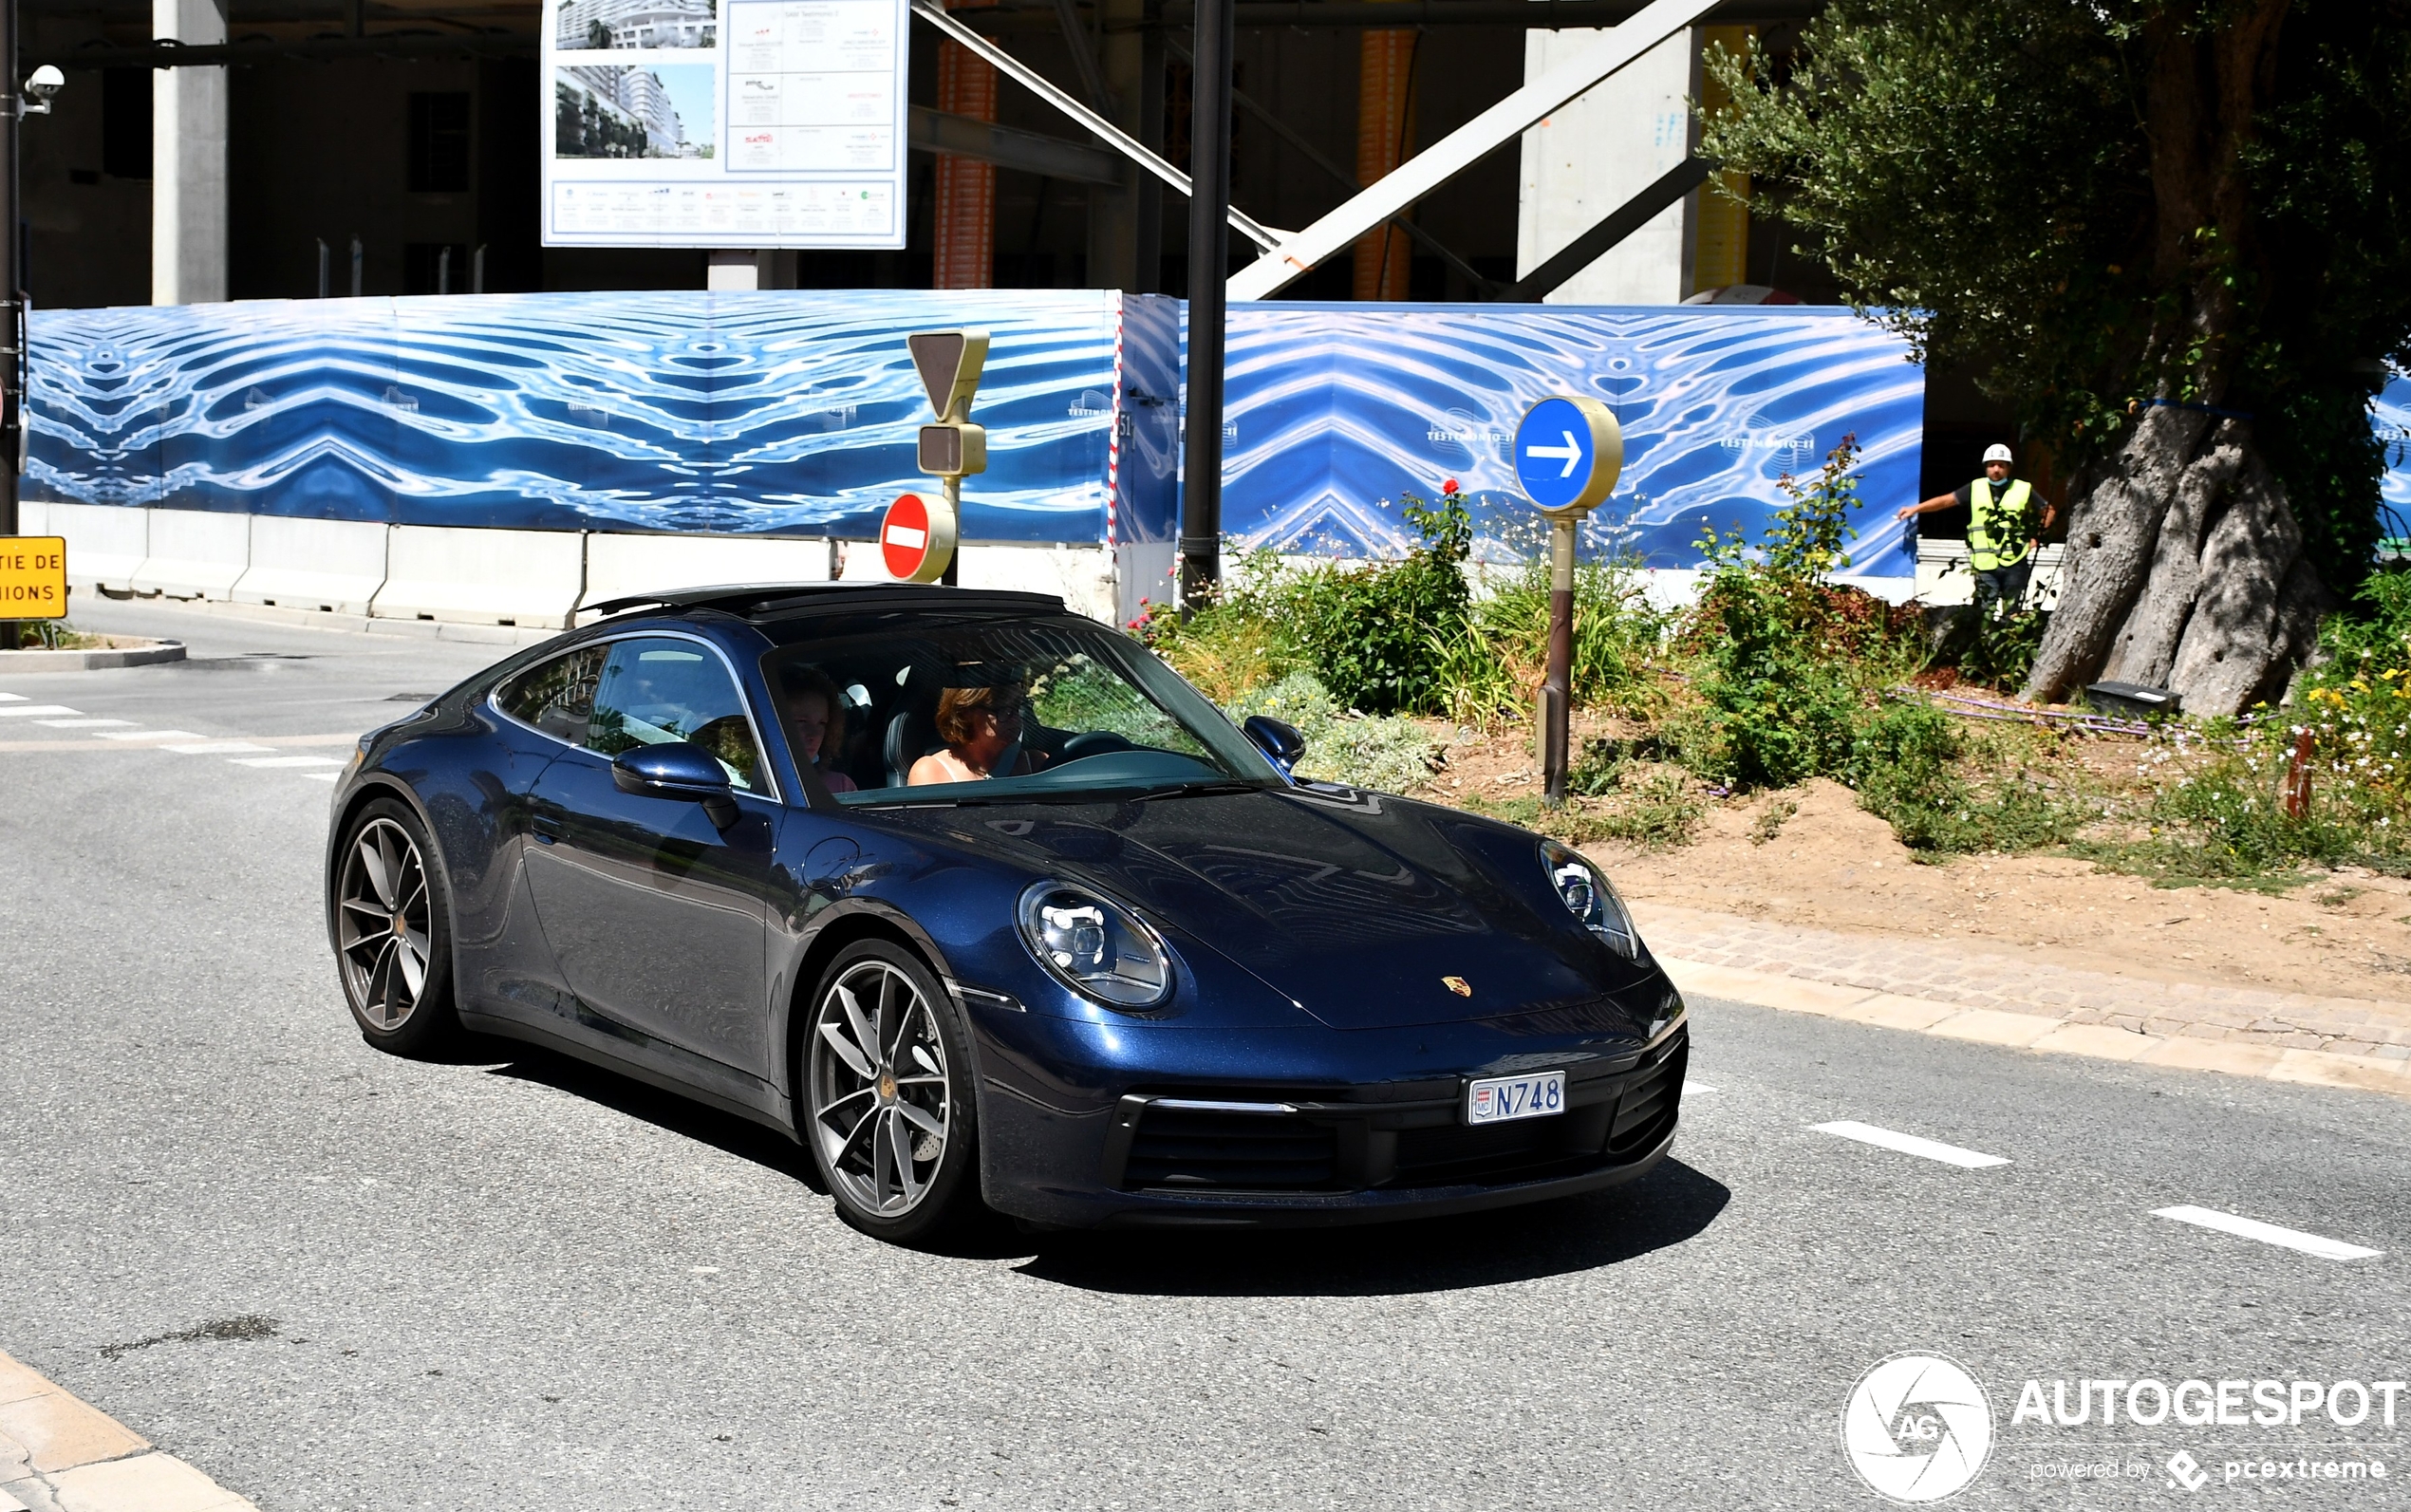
58, 1454
2243, 1016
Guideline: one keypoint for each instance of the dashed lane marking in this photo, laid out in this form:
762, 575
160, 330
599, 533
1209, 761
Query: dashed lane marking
322, 777
33, 709
1693, 1087
282, 762
150, 734
2267, 1233
11, 697
214, 747
1909, 1144
81, 724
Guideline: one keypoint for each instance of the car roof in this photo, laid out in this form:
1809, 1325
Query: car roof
766, 601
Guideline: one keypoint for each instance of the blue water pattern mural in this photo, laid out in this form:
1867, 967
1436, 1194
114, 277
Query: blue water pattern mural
1336, 411
2391, 417
794, 412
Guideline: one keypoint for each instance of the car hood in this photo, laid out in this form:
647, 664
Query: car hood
1368, 912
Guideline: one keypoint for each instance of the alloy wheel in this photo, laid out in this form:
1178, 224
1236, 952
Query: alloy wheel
882, 1103
381, 925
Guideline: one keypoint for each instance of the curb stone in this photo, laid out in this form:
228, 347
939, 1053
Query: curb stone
59, 1454
2045, 1033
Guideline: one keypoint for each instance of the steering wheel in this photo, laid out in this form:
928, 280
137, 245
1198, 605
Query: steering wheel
1095, 742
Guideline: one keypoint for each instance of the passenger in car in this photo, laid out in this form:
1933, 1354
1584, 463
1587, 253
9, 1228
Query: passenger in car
981, 728
817, 715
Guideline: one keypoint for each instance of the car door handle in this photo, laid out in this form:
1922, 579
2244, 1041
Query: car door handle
547, 828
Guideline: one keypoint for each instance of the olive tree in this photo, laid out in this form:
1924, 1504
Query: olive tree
2176, 234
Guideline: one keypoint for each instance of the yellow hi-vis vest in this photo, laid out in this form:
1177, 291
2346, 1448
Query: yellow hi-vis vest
1997, 533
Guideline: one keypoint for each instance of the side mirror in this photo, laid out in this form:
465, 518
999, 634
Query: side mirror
1278, 741
677, 769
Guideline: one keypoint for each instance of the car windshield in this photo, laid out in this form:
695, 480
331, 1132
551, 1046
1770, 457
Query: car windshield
921, 708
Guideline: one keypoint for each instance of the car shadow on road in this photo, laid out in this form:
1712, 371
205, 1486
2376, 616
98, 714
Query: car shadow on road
1670, 1205
679, 1114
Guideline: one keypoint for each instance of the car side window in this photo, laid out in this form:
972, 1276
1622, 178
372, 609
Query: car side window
654, 689
557, 696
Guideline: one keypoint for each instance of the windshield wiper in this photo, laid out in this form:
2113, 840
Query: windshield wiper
1184, 790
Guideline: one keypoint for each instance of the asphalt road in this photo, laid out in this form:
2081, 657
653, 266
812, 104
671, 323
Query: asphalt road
335, 1279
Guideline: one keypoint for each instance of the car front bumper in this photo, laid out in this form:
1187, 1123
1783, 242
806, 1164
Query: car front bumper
1294, 1144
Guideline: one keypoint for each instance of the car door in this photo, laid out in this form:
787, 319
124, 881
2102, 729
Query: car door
505, 966
654, 912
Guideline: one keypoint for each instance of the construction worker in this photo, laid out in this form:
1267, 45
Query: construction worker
2004, 529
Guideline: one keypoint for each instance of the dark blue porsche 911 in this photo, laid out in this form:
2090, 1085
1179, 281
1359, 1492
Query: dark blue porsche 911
981, 903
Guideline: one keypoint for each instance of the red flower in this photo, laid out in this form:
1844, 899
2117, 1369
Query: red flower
1449, 487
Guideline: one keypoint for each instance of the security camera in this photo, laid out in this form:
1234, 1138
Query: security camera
47, 81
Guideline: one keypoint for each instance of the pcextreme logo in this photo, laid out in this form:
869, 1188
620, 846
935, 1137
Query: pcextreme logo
1917, 1427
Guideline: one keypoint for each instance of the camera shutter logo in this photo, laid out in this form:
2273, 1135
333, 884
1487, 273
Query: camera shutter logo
1917, 1427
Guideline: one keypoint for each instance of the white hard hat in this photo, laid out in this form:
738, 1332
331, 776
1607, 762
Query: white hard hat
1997, 452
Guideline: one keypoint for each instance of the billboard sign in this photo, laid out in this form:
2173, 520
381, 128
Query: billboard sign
724, 122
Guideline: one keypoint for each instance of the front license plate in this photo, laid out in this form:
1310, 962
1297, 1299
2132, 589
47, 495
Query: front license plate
1498, 1099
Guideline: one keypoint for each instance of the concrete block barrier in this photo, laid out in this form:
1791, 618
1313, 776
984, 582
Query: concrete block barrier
1082, 576
1944, 576
619, 566
33, 517
106, 542
193, 555
334, 565
482, 577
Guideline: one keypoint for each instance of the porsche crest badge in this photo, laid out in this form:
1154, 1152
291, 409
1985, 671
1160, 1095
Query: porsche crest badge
1458, 985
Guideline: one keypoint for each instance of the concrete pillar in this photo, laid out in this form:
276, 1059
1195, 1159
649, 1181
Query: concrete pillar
1589, 158
966, 220
1385, 137
1125, 225
188, 161
1720, 250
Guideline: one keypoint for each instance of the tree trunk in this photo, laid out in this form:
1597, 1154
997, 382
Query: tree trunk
2184, 570
2184, 564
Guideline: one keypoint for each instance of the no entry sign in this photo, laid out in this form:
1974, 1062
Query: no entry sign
916, 538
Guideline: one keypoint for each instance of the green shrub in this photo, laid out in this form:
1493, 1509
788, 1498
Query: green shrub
1493, 666
1373, 634
1659, 811
1388, 754
1910, 763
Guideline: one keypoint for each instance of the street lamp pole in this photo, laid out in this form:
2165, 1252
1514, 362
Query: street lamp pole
1201, 563
12, 292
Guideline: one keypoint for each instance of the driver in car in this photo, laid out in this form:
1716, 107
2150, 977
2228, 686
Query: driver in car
981, 728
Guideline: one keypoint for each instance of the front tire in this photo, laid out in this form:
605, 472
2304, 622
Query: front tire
393, 932
887, 1078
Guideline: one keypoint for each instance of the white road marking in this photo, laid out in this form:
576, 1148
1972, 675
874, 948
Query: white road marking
2267, 1233
216, 747
1693, 1087
33, 709
282, 761
11, 697
1911, 1145
150, 734
322, 777
79, 724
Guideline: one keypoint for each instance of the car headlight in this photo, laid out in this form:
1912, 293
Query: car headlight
1094, 947
1591, 898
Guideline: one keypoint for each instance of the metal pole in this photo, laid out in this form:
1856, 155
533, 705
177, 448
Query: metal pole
355, 265
952, 576
12, 287
1557, 684
326, 286
1208, 261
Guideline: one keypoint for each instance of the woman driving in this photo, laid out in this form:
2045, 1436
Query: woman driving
981, 728
816, 714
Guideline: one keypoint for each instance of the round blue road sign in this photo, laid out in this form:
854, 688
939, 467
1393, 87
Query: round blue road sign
1568, 454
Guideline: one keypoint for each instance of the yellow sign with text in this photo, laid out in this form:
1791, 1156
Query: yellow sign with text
33, 577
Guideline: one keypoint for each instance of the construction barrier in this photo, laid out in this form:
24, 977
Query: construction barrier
482, 577
335, 566
193, 554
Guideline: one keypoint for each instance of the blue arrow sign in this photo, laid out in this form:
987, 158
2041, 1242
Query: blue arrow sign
1557, 453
